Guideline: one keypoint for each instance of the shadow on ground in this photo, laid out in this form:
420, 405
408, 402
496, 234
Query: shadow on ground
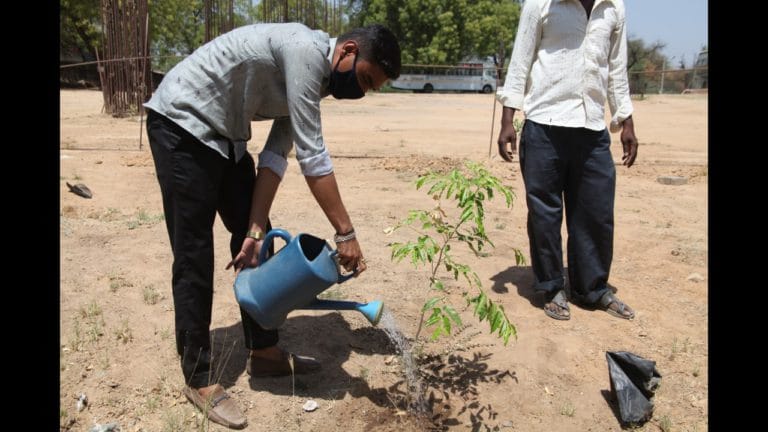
449, 381
521, 277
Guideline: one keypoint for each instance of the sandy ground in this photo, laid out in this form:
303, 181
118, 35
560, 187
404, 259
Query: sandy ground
116, 323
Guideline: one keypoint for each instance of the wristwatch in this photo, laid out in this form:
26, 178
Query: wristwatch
258, 235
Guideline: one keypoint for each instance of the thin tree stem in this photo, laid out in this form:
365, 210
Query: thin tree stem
435, 266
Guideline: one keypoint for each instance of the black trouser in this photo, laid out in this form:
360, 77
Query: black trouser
197, 182
574, 163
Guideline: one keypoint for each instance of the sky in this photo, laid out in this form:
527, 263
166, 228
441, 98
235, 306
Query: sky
681, 24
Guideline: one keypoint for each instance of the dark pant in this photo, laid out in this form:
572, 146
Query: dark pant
197, 182
574, 164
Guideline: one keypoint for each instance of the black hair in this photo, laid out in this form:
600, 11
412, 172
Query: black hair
377, 44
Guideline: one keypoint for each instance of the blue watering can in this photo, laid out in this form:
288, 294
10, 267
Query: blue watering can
292, 278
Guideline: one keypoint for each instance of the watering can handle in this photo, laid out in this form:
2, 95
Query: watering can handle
277, 232
342, 277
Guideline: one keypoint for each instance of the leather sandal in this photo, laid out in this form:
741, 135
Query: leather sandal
287, 365
608, 298
560, 300
218, 407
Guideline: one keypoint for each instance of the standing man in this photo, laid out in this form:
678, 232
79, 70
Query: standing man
198, 123
569, 57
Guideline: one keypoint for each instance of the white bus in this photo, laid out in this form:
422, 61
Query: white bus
474, 76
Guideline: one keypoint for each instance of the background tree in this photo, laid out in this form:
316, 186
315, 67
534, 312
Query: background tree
80, 28
641, 56
430, 31
245, 13
328, 15
442, 31
176, 30
642, 61
489, 25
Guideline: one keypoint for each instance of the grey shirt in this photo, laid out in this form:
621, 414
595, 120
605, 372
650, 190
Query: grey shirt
257, 72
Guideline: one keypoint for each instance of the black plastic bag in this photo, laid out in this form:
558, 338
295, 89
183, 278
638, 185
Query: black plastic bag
633, 382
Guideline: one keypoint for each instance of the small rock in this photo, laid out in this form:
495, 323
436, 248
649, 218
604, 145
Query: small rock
109, 427
672, 180
98, 162
507, 424
82, 402
696, 402
309, 405
695, 277
389, 359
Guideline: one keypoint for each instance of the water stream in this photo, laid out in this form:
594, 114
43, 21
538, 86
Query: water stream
414, 386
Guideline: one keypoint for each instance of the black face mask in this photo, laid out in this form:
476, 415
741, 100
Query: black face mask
344, 85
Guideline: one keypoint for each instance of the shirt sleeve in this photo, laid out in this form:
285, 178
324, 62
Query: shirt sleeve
523, 53
619, 101
305, 66
275, 153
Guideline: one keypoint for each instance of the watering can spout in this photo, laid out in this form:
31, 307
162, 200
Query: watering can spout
371, 310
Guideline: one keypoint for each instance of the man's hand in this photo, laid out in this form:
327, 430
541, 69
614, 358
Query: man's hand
326, 193
507, 135
351, 257
629, 142
248, 255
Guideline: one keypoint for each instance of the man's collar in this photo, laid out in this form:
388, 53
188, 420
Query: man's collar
332, 46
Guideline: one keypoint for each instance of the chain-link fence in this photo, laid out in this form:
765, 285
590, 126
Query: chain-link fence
673, 81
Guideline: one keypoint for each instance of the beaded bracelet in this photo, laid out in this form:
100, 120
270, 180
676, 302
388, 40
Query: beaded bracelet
340, 238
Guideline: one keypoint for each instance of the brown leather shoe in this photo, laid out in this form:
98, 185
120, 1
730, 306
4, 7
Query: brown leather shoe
219, 407
262, 367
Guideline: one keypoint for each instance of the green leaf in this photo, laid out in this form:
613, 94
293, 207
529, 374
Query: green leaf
434, 318
519, 257
446, 325
451, 312
429, 304
495, 320
466, 214
438, 285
